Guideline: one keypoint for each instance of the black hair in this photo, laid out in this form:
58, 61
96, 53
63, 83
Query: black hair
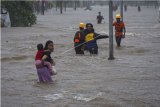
89, 24
99, 12
81, 28
40, 47
47, 43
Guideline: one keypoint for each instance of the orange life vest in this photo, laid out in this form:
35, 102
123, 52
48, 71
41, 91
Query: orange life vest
77, 38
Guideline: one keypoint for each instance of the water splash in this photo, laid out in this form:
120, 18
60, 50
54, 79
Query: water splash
82, 97
66, 94
53, 97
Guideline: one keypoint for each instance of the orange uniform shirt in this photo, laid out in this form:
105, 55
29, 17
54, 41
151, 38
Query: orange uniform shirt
118, 27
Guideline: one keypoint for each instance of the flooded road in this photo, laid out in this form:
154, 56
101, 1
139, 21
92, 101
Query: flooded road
131, 80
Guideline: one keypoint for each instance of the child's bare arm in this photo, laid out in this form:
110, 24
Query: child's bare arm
42, 61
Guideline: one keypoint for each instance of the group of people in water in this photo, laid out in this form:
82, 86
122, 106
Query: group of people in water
84, 39
125, 8
139, 8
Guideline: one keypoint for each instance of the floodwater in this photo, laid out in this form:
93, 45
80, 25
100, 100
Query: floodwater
131, 80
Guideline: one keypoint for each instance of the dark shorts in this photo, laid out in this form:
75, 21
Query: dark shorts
118, 40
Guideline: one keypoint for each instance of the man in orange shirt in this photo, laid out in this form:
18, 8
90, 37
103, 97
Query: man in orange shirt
119, 26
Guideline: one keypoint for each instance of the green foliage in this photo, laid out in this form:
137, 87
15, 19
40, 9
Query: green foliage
21, 12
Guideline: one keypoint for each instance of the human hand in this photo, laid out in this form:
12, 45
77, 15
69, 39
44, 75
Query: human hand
123, 36
51, 73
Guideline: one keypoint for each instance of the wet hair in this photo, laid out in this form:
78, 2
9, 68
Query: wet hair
40, 47
47, 43
89, 24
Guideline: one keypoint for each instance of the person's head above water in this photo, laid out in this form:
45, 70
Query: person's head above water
40, 47
89, 26
99, 13
118, 17
49, 46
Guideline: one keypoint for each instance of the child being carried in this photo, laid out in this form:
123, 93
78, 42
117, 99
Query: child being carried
48, 64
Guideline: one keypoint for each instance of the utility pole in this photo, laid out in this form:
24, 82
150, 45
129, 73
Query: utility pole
75, 4
61, 7
56, 5
81, 4
64, 5
42, 7
156, 2
111, 56
121, 10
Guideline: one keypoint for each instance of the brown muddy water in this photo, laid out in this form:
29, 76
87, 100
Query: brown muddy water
131, 80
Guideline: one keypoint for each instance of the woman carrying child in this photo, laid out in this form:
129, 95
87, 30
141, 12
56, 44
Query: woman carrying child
43, 64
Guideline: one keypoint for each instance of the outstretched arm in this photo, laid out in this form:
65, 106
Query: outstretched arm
102, 36
98, 36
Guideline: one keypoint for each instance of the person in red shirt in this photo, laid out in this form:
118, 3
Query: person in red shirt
119, 26
38, 58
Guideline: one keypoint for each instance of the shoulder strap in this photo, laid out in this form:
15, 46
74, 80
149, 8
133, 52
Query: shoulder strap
79, 34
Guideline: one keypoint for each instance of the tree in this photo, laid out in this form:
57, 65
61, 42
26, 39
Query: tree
21, 12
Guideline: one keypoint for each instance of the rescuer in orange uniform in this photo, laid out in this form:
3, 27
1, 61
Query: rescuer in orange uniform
79, 39
119, 28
